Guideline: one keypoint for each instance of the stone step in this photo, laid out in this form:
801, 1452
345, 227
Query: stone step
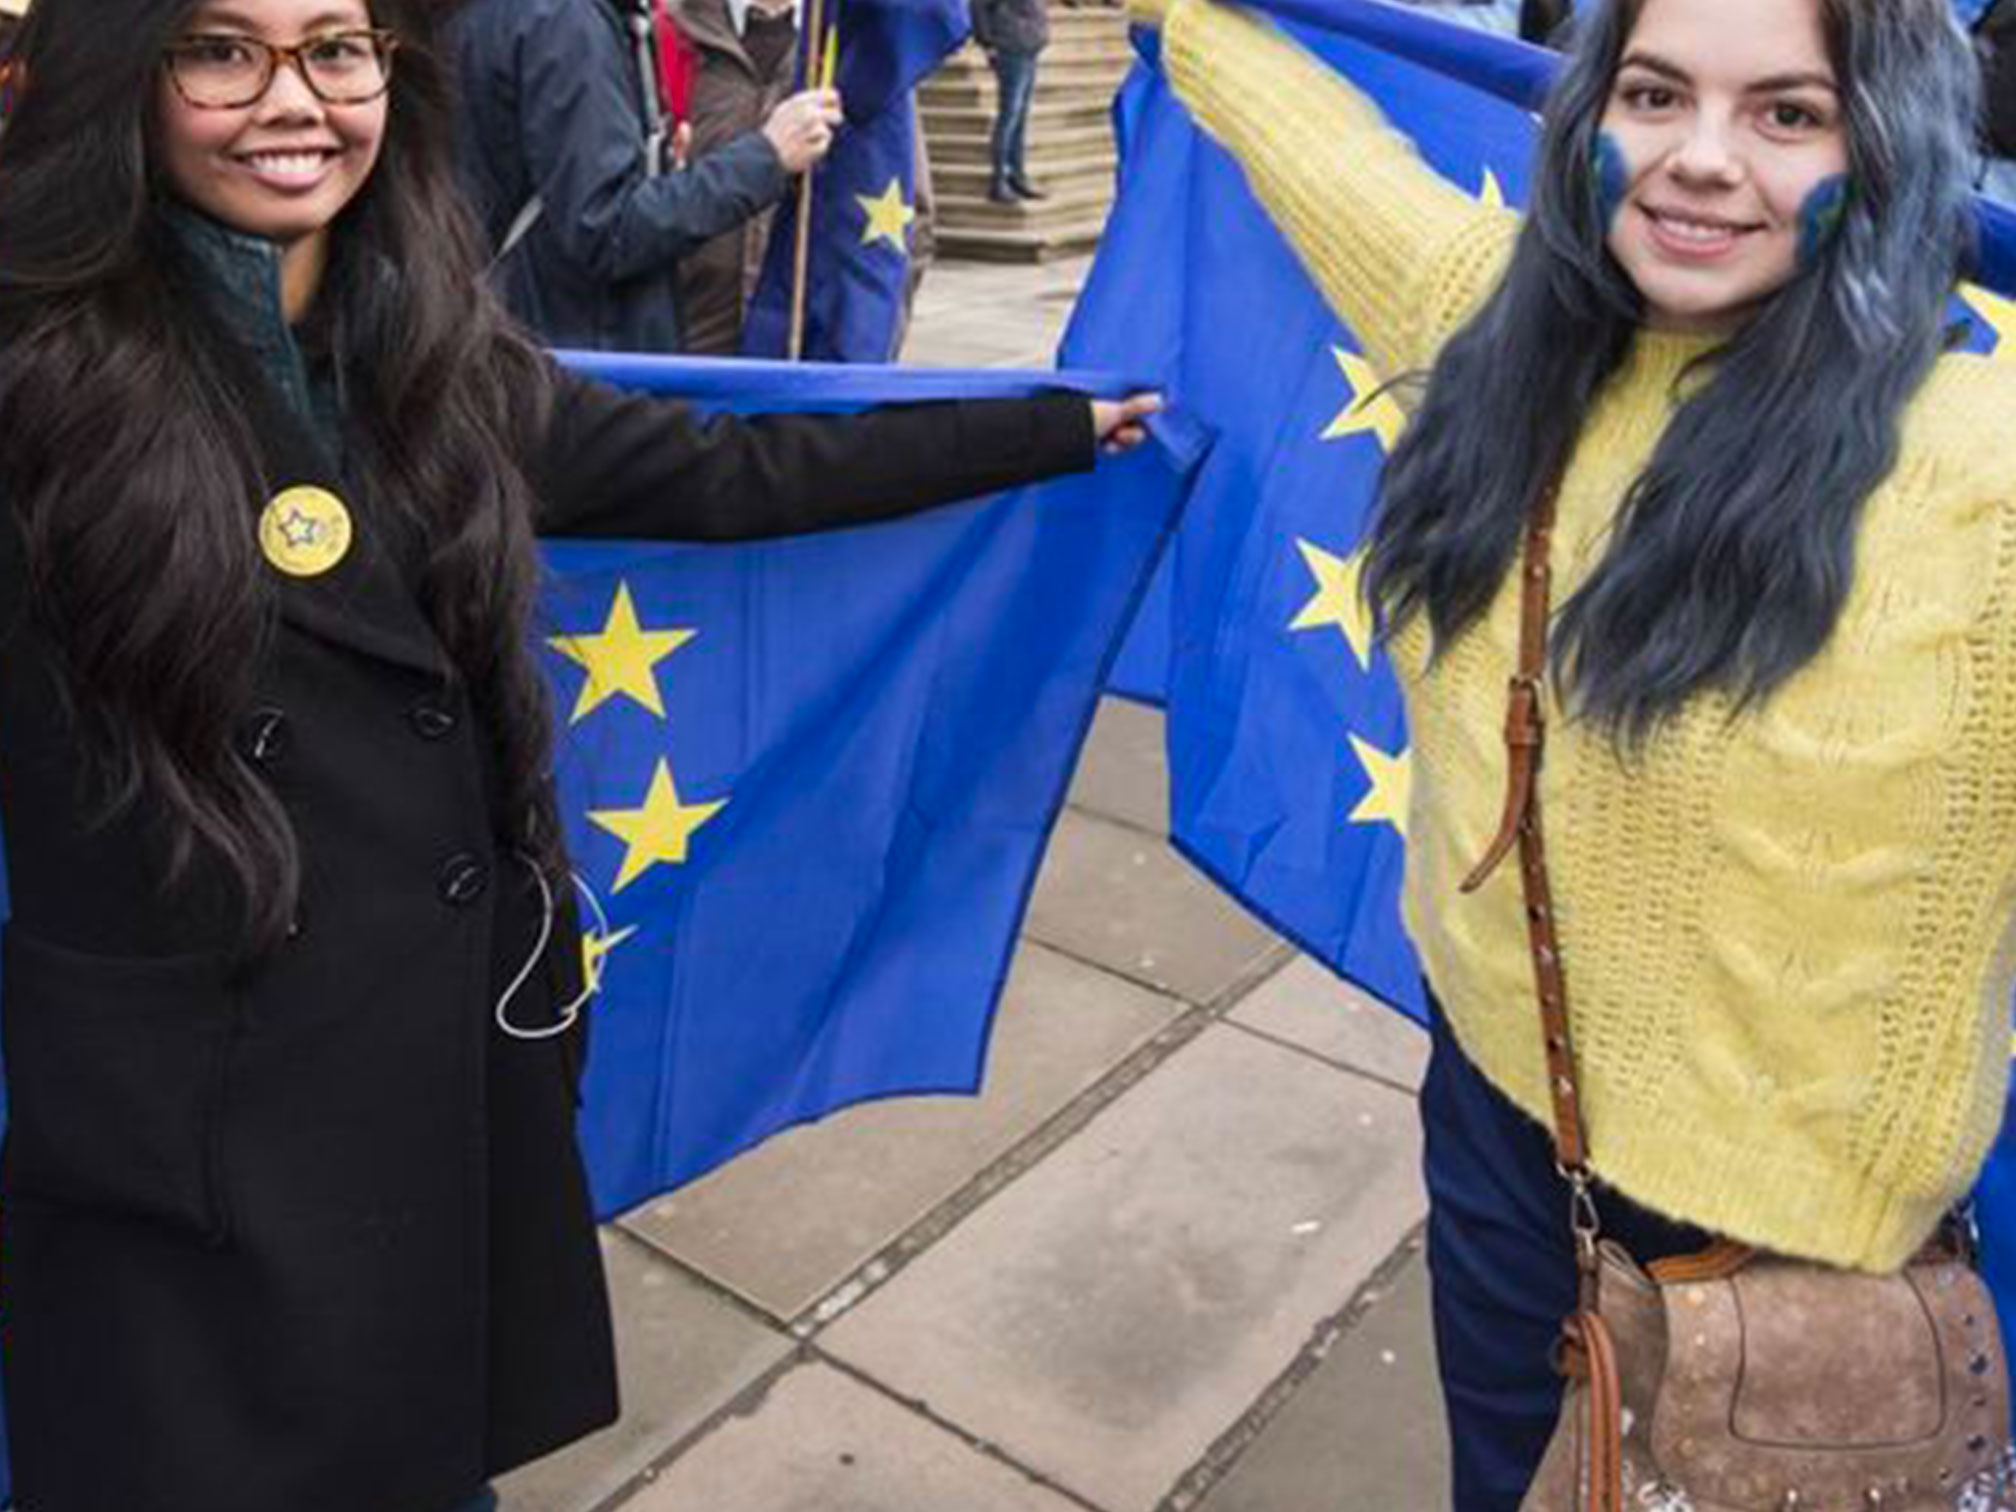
1045, 116
1068, 178
1045, 146
1065, 200
1077, 48
980, 95
979, 244
1101, 75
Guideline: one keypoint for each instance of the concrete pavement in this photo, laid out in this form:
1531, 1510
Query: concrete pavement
1168, 1260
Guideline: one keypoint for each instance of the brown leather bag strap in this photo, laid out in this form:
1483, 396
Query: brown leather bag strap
1525, 741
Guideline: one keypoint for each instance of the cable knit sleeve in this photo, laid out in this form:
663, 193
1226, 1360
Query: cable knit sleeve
1401, 254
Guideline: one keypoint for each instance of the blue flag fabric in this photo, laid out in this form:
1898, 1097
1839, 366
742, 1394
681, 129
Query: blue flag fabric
864, 196
808, 781
867, 734
1286, 738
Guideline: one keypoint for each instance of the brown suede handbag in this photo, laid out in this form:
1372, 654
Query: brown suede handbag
1733, 1380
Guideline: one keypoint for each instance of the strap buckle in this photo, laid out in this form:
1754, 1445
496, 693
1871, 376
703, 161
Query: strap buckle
1525, 712
1583, 1219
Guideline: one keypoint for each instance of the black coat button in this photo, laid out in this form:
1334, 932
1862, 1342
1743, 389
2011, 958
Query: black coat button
431, 721
464, 879
265, 736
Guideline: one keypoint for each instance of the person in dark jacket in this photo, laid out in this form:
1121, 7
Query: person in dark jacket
11, 12
1995, 40
1014, 33
1543, 21
587, 231
295, 1221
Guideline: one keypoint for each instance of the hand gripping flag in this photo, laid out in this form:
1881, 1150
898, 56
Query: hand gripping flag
1287, 744
864, 196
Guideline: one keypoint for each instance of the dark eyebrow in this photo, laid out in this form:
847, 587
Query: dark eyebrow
1653, 63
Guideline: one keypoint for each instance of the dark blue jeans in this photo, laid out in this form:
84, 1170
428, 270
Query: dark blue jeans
1015, 72
484, 1501
1501, 1259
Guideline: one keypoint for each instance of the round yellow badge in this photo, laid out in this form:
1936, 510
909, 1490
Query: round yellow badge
305, 531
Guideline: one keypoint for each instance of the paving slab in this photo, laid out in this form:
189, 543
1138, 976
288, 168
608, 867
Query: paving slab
821, 1442
1124, 900
1364, 1431
1305, 1005
786, 1223
972, 314
1121, 772
1108, 1316
683, 1353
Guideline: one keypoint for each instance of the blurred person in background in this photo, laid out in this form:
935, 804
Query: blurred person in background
1541, 20
11, 12
1995, 40
1013, 33
564, 154
744, 58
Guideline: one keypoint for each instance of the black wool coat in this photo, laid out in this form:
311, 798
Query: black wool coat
317, 1239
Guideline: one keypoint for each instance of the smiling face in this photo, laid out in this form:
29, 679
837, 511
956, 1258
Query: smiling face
285, 166
1724, 155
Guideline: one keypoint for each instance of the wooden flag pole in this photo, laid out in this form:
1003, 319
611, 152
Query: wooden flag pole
821, 66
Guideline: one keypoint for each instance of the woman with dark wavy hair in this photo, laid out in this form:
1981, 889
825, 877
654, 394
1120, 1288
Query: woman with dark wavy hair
294, 1216
1781, 721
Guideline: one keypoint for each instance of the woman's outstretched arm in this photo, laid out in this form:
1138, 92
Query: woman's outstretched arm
1401, 254
634, 465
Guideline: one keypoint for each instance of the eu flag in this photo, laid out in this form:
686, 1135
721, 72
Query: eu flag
810, 780
864, 196
1287, 744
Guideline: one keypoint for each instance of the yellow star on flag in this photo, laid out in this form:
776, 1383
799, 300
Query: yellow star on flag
660, 831
1337, 601
888, 217
1392, 779
1371, 412
623, 659
2000, 315
1493, 192
595, 951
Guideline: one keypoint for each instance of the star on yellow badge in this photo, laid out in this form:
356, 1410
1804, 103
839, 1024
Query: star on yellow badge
1372, 411
1337, 601
1998, 314
622, 659
1392, 779
305, 532
595, 951
661, 831
889, 218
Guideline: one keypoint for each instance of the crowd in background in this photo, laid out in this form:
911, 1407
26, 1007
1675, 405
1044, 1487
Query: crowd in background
628, 155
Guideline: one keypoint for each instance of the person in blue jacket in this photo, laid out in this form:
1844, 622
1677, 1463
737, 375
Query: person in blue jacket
557, 153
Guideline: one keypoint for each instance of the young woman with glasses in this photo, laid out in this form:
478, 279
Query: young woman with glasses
1778, 756
290, 1223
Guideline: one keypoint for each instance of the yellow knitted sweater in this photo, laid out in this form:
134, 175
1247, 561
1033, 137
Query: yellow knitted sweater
1788, 935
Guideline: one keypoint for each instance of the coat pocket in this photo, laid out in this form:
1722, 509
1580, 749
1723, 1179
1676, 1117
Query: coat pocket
115, 1082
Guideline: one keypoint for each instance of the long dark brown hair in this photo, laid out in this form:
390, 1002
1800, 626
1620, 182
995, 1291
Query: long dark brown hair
132, 469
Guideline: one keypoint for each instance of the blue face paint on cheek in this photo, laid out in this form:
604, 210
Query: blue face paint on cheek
1821, 216
1609, 178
